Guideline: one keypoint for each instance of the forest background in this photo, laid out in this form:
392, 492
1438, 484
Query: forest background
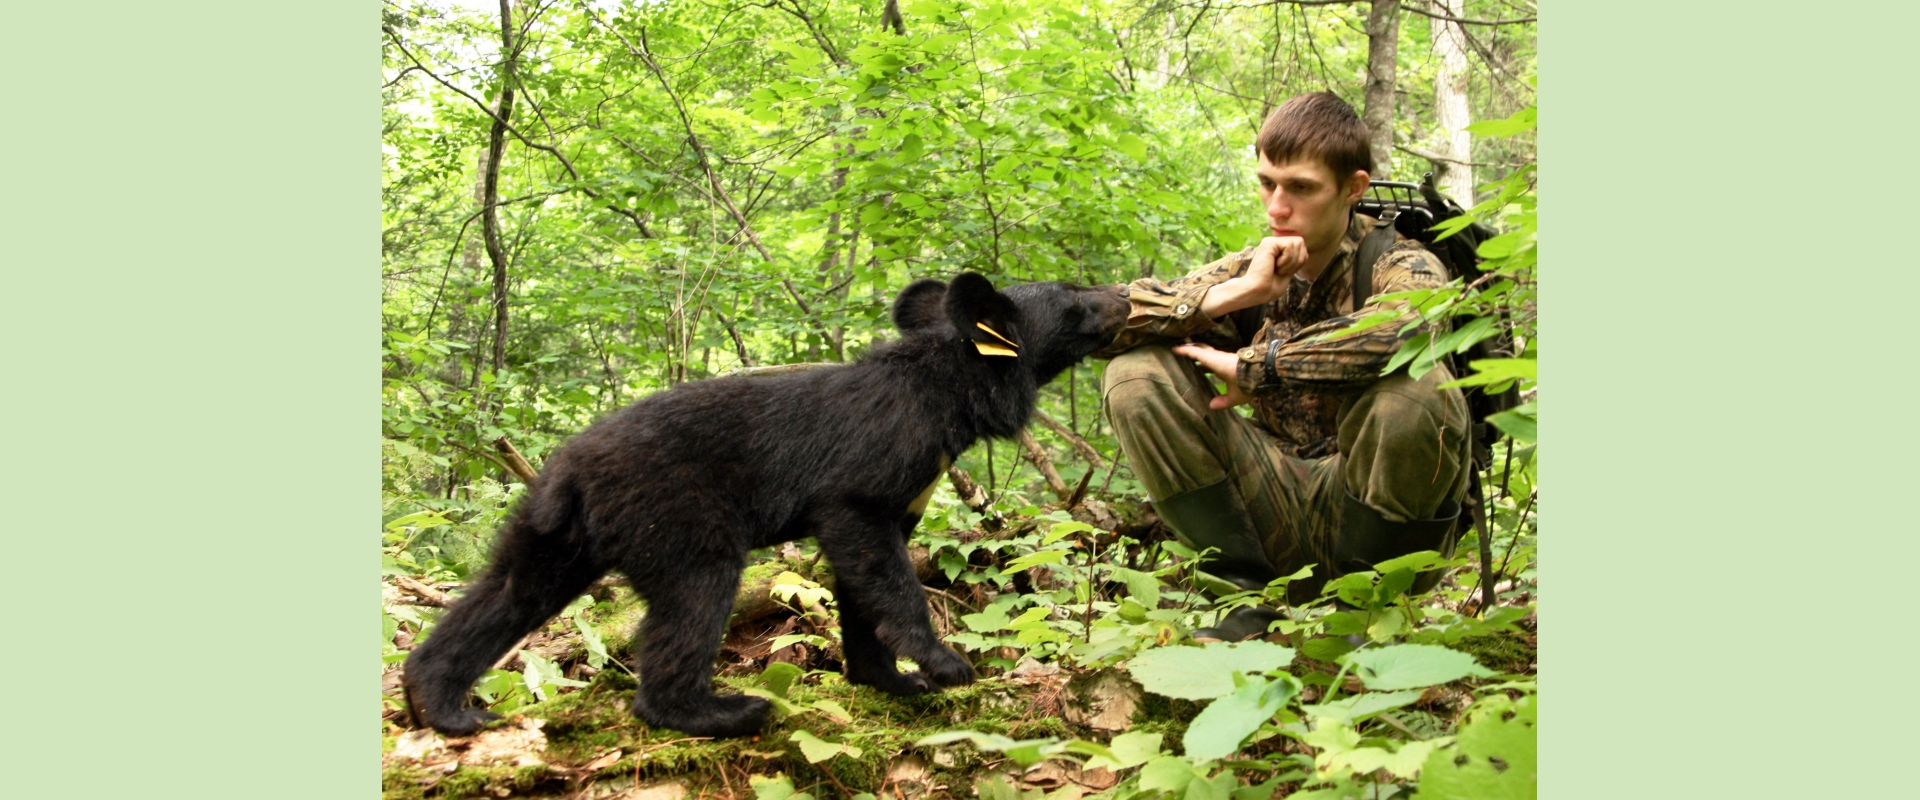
587, 203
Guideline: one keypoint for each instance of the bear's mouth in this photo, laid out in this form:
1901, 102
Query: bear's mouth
1111, 309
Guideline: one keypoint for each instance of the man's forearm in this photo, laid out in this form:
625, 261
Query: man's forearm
1232, 295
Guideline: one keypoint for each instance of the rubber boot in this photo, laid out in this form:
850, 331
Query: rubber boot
1367, 538
1212, 516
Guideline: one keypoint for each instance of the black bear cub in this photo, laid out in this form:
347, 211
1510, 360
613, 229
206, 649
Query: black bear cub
676, 489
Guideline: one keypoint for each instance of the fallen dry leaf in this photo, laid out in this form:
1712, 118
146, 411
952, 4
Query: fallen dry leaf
416, 745
909, 769
601, 761
1045, 775
509, 743
1029, 667
1097, 779
659, 791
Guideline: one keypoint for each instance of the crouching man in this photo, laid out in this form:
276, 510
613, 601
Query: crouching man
1338, 467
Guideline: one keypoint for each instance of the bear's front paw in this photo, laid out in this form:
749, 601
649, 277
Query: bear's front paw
464, 722
947, 668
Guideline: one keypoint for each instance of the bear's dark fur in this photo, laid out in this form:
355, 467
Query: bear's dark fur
676, 489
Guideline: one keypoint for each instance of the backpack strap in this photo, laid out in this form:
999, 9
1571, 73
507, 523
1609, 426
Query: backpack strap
1371, 248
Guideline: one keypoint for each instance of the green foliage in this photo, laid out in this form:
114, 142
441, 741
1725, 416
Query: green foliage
690, 187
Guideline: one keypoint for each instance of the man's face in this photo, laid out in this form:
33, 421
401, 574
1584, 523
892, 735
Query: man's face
1303, 199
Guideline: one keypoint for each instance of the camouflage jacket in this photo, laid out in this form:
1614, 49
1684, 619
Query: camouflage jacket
1297, 384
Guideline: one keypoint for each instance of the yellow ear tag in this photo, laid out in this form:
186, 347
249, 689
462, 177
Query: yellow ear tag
996, 334
991, 349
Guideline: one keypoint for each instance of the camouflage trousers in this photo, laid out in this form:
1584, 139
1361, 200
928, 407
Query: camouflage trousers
1402, 451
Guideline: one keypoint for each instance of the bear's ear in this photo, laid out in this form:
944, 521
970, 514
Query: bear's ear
918, 306
983, 316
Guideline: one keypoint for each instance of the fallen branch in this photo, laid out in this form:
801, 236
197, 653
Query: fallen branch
515, 461
428, 595
1079, 444
1038, 455
975, 498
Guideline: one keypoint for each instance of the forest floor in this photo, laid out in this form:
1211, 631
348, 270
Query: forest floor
575, 736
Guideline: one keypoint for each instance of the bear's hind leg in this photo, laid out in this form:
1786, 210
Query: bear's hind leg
532, 578
687, 611
871, 663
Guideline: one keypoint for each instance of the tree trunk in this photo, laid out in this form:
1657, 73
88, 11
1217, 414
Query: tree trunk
1383, 50
1452, 175
490, 207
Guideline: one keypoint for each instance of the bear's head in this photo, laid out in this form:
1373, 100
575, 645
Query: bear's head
1043, 327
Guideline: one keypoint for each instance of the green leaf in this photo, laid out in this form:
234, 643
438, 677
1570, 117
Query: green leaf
1129, 750
1355, 708
597, 655
1517, 424
776, 787
1488, 371
1367, 322
1141, 585
992, 619
1520, 122
1403, 763
1220, 728
1035, 559
779, 676
1486, 736
834, 710
1064, 529
1167, 774
1412, 666
1204, 673
1131, 145
1326, 648
817, 750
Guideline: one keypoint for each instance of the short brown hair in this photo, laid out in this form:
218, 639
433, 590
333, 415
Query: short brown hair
1318, 125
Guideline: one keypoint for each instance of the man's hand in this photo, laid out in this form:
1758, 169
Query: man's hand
1220, 363
1275, 260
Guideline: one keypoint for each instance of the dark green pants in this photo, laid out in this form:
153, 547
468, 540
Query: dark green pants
1403, 452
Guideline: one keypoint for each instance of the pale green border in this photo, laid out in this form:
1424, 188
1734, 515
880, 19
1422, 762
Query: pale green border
1725, 300
191, 312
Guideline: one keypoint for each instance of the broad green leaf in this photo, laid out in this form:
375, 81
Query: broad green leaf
1403, 763
1355, 708
1517, 423
1204, 673
1413, 666
1143, 586
1519, 122
597, 655
1326, 648
1484, 737
776, 787
1131, 145
1062, 530
779, 676
834, 710
818, 750
1367, 322
1129, 750
1220, 728
1036, 558
1167, 774
1488, 371
991, 619
1387, 624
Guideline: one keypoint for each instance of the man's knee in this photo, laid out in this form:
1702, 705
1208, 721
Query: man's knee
1142, 385
1404, 445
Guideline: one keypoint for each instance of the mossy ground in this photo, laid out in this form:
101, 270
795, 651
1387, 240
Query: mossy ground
589, 723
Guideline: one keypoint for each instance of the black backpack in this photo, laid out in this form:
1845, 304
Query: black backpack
1412, 210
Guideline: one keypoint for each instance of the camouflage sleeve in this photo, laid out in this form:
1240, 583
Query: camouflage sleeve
1345, 363
1169, 312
